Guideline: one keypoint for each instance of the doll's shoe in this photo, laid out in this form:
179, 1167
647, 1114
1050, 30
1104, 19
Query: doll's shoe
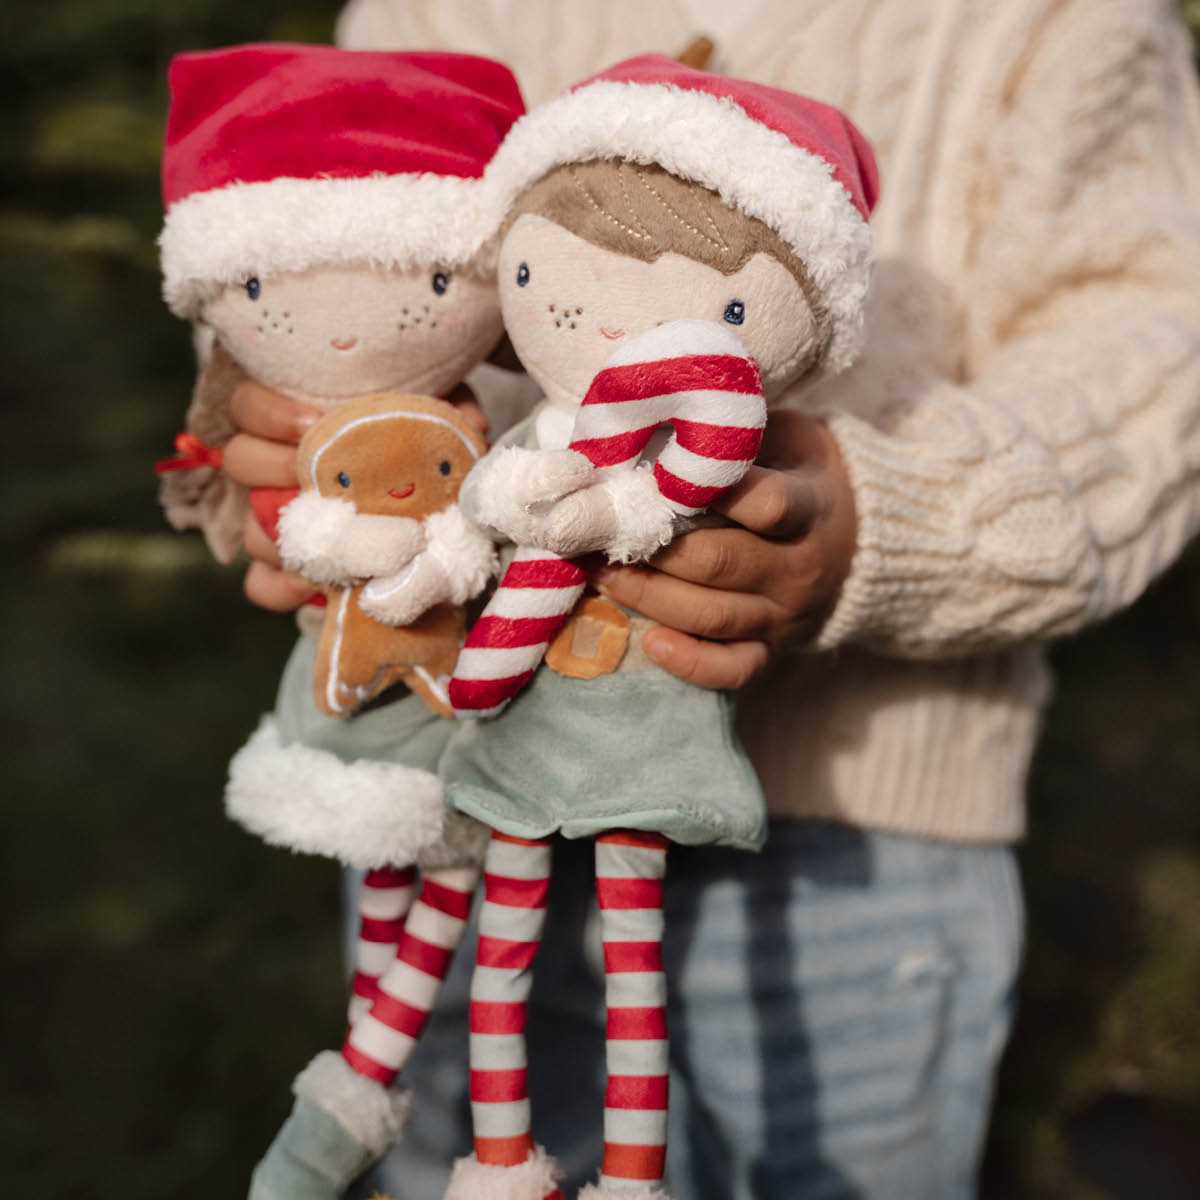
640, 1191
341, 1123
534, 1179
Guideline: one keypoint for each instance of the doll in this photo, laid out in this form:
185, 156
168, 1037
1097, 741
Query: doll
326, 226
679, 249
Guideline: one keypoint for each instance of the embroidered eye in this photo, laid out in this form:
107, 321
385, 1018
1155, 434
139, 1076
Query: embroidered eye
522, 275
735, 312
441, 281
253, 287
444, 467
343, 479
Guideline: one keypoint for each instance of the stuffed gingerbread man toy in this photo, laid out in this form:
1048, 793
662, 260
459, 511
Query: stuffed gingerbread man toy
377, 526
326, 223
679, 249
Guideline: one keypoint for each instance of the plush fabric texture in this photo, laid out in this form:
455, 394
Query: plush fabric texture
313, 1157
281, 156
206, 498
365, 813
594, 1191
374, 1115
694, 376
799, 166
1021, 429
534, 1179
373, 473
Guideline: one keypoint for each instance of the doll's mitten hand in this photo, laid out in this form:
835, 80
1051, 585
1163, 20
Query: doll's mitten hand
456, 565
329, 541
400, 598
511, 488
625, 515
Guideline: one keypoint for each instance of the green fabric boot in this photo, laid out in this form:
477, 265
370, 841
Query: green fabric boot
341, 1123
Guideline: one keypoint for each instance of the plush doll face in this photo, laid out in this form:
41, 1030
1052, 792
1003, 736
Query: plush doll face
395, 466
341, 331
599, 252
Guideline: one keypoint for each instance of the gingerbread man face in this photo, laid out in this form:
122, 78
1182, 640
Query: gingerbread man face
396, 463
395, 456
350, 330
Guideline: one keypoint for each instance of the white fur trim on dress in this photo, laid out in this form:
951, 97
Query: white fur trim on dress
373, 1115
226, 235
534, 1179
366, 813
714, 142
327, 540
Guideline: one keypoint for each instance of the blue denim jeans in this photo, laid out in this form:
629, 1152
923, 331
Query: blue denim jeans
838, 1005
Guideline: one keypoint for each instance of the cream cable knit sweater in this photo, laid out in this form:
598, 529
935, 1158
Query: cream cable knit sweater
1023, 434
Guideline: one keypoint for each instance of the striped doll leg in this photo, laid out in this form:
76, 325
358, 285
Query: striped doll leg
629, 887
383, 903
506, 1165
381, 1040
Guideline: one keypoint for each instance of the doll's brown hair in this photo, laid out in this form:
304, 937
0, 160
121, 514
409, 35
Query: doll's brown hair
643, 211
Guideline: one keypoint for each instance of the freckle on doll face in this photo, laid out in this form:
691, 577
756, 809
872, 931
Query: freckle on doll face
350, 330
568, 304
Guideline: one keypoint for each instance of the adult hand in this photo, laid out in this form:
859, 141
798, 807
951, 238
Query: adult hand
727, 598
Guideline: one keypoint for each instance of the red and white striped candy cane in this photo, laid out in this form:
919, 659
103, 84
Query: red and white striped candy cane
693, 375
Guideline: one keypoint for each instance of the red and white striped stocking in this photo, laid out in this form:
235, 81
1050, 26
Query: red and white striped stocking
380, 1041
629, 887
506, 1162
383, 903
694, 376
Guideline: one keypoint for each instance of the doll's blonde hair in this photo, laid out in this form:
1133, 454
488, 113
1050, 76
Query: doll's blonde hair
643, 211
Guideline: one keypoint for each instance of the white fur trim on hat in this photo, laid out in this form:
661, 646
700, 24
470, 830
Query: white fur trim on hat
372, 1114
712, 141
366, 813
226, 235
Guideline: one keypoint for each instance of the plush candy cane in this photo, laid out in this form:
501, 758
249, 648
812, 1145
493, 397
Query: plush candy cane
693, 375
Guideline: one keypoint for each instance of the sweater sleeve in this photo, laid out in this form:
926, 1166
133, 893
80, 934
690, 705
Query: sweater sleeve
1041, 478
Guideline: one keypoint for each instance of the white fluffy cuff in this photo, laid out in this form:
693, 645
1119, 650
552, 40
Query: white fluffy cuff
534, 1179
510, 485
645, 520
365, 814
374, 1115
464, 551
327, 540
644, 1191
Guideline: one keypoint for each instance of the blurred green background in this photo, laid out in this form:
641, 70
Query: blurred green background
165, 975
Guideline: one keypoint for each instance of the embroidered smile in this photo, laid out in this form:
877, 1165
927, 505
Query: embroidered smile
344, 343
612, 334
400, 495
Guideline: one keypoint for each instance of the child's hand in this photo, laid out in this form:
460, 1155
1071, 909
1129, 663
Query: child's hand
263, 454
728, 598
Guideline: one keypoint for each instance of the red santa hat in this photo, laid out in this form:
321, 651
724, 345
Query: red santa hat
798, 165
282, 157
